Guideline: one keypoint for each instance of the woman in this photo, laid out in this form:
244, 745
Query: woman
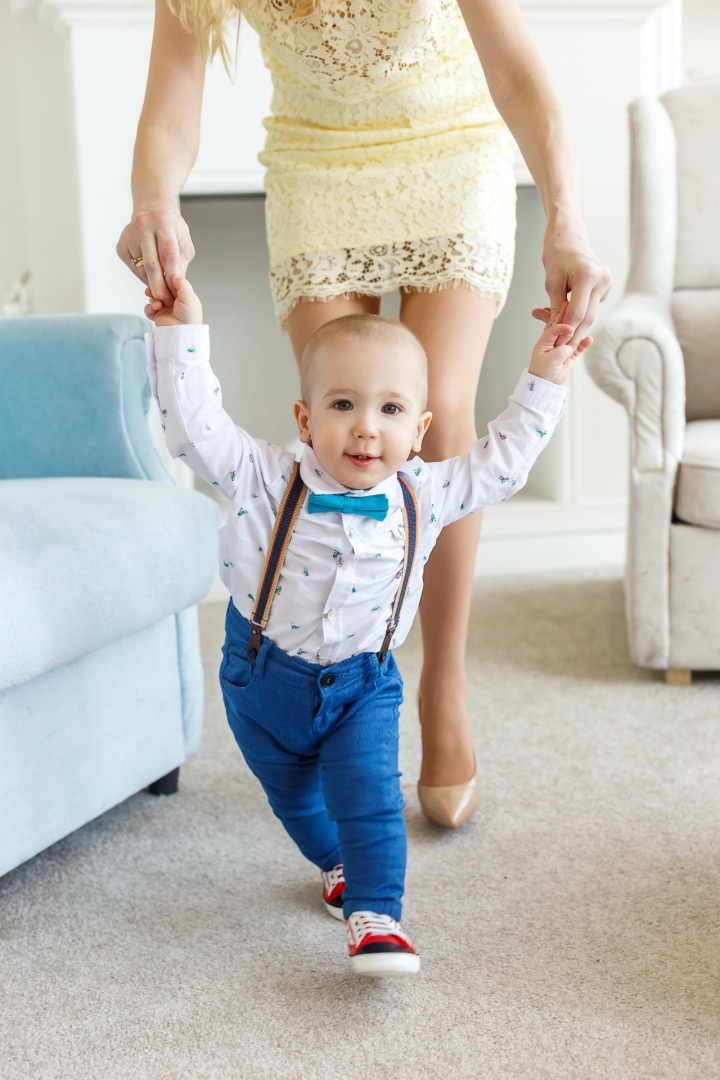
389, 165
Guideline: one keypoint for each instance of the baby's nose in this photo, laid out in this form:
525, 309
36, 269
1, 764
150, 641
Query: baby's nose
365, 425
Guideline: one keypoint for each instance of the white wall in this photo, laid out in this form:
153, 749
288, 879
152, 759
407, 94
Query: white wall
79, 79
44, 163
14, 254
701, 40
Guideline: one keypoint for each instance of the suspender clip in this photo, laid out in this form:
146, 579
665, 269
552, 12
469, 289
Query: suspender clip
255, 641
385, 647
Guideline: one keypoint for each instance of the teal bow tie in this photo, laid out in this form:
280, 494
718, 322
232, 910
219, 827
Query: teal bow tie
374, 506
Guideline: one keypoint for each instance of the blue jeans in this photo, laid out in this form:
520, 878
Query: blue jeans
323, 742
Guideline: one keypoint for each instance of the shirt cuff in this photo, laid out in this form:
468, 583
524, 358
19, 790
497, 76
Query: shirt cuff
189, 344
537, 393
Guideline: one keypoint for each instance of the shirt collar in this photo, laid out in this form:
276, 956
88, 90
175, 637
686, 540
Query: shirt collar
321, 483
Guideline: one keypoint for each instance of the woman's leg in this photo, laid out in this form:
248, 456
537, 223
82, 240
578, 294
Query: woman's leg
307, 316
454, 326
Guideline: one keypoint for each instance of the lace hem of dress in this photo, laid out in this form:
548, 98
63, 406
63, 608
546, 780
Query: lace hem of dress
480, 264
456, 283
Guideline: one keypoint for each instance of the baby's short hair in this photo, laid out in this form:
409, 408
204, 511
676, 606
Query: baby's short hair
362, 327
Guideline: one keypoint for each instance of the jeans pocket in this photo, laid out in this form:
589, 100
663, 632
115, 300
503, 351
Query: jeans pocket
235, 669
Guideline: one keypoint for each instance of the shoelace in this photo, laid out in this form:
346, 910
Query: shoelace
363, 923
333, 877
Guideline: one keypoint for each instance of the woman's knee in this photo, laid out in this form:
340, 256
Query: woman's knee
452, 429
309, 315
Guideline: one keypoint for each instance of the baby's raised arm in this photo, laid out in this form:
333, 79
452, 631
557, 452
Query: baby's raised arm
197, 428
498, 463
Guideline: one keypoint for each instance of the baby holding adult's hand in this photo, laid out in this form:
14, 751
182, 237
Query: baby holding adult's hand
553, 355
185, 309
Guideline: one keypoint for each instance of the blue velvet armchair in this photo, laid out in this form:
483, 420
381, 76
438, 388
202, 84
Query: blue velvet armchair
102, 561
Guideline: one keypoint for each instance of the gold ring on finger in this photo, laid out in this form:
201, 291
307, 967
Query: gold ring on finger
139, 261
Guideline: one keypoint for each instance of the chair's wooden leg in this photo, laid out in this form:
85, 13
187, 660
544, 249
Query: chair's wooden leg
678, 676
166, 785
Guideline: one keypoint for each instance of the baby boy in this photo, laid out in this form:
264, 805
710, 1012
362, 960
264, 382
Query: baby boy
324, 562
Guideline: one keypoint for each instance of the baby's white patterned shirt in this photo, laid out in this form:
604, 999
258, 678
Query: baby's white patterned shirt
342, 571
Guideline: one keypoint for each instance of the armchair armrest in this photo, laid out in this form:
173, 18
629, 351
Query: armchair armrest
636, 359
76, 398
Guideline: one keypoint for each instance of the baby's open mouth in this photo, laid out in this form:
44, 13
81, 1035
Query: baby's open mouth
362, 459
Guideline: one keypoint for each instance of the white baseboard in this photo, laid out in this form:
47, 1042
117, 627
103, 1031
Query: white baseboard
531, 536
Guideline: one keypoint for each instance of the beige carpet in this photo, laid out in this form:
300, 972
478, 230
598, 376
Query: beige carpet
570, 930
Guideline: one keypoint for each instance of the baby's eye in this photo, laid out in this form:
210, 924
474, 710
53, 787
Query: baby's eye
342, 406
391, 408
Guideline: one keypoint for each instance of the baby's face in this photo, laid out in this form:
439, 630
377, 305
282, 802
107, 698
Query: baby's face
365, 413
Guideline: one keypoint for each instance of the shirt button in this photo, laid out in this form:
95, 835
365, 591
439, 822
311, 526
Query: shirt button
331, 615
327, 680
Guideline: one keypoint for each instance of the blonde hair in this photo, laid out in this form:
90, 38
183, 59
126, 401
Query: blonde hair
209, 19
370, 328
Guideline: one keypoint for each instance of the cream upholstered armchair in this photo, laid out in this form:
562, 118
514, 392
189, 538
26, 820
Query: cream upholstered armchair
658, 354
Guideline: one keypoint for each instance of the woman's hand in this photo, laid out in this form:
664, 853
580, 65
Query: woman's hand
159, 236
574, 275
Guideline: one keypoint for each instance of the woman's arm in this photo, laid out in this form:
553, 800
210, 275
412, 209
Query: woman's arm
523, 92
165, 150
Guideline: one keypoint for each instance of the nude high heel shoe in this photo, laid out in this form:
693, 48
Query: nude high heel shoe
451, 805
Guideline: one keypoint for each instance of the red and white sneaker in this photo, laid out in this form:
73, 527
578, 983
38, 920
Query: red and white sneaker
333, 889
378, 946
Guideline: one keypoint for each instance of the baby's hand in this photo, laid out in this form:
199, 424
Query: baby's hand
186, 307
552, 357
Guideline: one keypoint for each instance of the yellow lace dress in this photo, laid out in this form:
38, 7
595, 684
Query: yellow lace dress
387, 163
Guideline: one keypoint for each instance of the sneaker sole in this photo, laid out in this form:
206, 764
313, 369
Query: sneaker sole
386, 965
336, 912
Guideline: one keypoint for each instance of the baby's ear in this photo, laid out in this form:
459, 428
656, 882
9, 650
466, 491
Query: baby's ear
423, 425
302, 417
